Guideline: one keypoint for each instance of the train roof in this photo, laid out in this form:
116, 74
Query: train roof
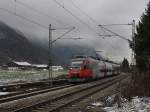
81, 57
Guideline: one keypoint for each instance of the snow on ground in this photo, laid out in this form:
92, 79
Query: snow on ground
135, 105
12, 76
4, 93
97, 104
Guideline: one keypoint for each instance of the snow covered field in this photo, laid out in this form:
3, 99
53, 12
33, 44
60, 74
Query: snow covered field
7, 76
135, 105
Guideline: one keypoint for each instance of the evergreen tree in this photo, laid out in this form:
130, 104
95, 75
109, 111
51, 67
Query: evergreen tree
142, 41
125, 65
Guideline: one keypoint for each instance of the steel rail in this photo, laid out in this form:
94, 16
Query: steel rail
7, 86
78, 97
32, 93
36, 105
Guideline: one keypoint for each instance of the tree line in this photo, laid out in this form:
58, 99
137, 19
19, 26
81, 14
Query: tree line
141, 41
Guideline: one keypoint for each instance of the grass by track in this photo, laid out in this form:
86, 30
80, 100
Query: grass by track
13, 76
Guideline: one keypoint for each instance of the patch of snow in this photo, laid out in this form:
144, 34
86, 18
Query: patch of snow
40, 66
22, 63
90, 107
4, 93
97, 104
136, 105
110, 98
31, 89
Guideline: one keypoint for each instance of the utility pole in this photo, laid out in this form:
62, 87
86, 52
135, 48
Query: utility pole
133, 39
133, 61
50, 55
50, 49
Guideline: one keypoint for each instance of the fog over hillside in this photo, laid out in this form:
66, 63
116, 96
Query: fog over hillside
15, 46
101, 11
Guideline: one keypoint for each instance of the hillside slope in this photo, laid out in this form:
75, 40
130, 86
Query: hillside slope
15, 46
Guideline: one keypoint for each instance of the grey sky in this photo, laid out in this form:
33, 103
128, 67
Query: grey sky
102, 11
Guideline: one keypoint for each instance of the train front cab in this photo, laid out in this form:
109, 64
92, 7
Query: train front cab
85, 72
80, 75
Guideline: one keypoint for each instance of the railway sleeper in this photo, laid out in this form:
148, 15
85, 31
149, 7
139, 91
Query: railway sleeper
65, 101
55, 100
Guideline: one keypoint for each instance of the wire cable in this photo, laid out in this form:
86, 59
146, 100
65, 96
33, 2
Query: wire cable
31, 21
120, 36
95, 22
101, 25
39, 12
75, 16
62, 35
24, 18
83, 12
116, 24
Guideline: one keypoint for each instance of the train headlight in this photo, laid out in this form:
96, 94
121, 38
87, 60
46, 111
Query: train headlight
70, 68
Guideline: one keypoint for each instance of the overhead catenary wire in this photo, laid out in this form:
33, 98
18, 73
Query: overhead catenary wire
94, 21
15, 6
34, 22
31, 21
76, 17
107, 35
120, 36
73, 38
83, 12
24, 18
116, 24
63, 35
46, 15
39, 12
110, 43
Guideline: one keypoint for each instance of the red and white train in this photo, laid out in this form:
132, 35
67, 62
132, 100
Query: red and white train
84, 68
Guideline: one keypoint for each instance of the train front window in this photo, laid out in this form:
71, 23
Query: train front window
76, 64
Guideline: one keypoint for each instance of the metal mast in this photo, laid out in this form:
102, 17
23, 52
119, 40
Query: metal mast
134, 47
50, 54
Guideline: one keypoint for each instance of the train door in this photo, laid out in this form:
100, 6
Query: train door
94, 69
105, 69
102, 67
109, 69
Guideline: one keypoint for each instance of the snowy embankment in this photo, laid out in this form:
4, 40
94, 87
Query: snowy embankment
12, 76
135, 105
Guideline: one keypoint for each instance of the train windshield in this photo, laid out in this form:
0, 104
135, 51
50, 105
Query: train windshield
76, 64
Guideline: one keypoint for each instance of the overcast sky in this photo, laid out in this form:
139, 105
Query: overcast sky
98, 11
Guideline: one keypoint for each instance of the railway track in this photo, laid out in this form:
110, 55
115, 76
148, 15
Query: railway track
25, 94
26, 91
62, 100
37, 86
27, 85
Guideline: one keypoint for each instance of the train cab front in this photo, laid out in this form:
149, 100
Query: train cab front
72, 72
74, 75
77, 71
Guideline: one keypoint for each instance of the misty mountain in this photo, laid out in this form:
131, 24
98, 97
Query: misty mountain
15, 46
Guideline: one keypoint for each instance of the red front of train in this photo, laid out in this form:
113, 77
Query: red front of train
79, 70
